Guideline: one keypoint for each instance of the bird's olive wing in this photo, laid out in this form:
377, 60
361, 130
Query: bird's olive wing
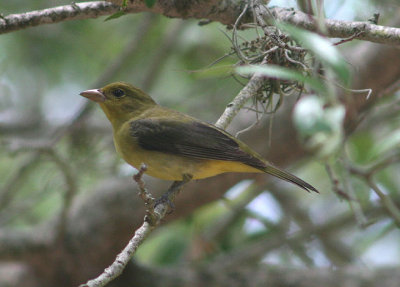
190, 139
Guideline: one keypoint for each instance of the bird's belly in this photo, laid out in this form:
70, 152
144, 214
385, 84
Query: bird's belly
172, 167
166, 166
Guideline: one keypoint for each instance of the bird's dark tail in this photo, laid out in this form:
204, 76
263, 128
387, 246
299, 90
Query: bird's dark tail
289, 177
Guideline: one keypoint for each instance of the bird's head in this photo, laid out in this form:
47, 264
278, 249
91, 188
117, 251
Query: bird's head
120, 101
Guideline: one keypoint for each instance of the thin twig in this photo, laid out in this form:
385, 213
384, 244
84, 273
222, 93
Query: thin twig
387, 202
377, 166
234, 35
367, 175
9, 189
355, 204
69, 193
305, 68
349, 38
335, 184
257, 121
368, 92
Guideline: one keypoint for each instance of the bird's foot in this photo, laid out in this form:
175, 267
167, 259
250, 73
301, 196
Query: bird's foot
165, 199
169, 196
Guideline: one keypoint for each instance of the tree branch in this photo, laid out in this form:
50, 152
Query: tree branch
58, 14
341, 29
225, 12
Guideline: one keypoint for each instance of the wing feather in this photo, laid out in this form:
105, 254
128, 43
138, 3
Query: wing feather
190, 139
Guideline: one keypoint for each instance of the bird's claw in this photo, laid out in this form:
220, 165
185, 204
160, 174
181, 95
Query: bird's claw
164, 199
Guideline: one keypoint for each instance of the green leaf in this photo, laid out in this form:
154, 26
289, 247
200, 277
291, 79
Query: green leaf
360, 147
115, 15
150, 3
321, 48
216, 71
283, 73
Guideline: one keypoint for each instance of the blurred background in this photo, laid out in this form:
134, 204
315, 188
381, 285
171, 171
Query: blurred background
68, 203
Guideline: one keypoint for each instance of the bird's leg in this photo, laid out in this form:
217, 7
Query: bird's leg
169, 196
143, 192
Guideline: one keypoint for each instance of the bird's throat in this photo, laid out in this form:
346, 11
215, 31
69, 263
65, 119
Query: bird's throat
119, 116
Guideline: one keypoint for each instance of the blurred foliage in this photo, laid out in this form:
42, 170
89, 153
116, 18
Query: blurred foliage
43, 69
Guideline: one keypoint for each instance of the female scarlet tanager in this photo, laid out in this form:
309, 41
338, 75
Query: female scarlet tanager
174, 145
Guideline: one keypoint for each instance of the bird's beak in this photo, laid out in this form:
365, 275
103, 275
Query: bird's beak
94, 95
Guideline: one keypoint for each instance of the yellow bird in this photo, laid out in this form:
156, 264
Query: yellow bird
174, 145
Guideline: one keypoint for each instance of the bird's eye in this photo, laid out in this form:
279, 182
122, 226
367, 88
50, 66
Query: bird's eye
118, 93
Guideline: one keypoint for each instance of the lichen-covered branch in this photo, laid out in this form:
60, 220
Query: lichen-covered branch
233, 108
75, 11
116, 268
225, 12
341, 29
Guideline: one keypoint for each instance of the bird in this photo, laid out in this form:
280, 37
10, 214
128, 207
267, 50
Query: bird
173, 145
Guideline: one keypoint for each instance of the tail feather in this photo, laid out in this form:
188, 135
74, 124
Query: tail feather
289, 177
